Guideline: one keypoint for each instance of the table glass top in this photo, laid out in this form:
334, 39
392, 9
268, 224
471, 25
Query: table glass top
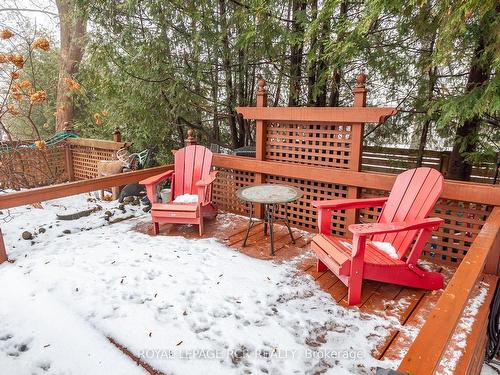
269, 193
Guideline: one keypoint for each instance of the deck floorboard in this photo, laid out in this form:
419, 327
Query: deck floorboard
408, 305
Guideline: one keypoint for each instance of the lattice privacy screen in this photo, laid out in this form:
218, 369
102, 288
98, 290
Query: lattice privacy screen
225, 186
29, 168
451, 241
85, 160
321, 144
301, 213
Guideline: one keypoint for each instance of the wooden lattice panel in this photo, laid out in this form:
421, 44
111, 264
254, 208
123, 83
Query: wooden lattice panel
31, 167
225, 186
85, 160
326, 145
451, 241
301, 213
462, 223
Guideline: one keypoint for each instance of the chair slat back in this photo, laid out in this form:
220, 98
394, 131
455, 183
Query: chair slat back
192, 164
413, 196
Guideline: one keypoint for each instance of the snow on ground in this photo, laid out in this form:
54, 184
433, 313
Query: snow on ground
40, 335
490, 369
183, 306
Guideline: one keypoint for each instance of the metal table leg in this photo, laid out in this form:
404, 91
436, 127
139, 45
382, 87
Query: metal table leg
271, 231
250, 225
266, 221
287, 223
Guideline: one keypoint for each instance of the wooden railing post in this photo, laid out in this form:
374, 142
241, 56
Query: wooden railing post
260, 139
69, 162
356, 151
3, 252
190, 140
117, 135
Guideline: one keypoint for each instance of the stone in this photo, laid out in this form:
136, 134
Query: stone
41, 230
128, 200
66, 231
27, 235
130, 191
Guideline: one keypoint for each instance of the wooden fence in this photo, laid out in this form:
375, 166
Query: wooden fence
70, 160
397, 160
319, 151
85, 153
31, 167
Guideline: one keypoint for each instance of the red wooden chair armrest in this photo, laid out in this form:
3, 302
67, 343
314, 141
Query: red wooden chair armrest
153, 180
205, 188
208, 180
381, 228
341, 204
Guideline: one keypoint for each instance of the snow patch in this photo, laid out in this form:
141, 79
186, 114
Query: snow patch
346, 244
186, 198
386, 248
463, 329
39, 334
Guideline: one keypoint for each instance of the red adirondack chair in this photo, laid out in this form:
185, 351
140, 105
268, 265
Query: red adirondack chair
192, 175
389, 249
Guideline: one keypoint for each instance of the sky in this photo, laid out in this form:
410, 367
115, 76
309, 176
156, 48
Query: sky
42, 13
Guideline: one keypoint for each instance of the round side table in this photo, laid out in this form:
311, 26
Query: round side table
271, 196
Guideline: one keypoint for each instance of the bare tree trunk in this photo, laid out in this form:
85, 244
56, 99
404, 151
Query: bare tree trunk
215, 98
312, 70
431, 83
297, 48
226, 62
459, 168
242, 126
73, 28
334, 100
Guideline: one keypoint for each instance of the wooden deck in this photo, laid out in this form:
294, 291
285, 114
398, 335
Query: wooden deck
410, 306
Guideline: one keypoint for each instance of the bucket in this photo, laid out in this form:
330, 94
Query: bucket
165, 195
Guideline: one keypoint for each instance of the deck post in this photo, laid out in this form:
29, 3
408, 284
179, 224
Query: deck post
357, 131
117, 135
260, 140
3, 252
69, 162
190, 140
68, 154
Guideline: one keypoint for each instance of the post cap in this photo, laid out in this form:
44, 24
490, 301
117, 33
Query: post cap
360, 80
262, 85
190, 139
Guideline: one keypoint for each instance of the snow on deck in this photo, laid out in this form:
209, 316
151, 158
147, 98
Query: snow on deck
183, 306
